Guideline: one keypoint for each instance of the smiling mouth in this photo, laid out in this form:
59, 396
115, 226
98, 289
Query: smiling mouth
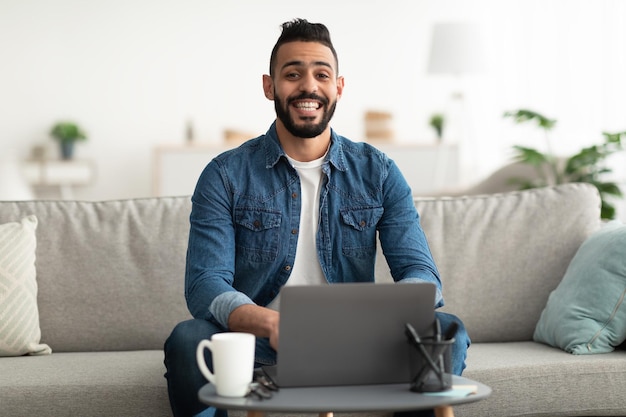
307, 105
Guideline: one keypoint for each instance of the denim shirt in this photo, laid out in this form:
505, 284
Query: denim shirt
246, 214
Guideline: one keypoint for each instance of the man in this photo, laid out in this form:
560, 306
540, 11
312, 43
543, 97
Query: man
298, 205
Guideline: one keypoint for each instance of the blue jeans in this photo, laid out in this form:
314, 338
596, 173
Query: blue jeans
184, 379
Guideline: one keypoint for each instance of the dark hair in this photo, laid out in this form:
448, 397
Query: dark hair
303, 31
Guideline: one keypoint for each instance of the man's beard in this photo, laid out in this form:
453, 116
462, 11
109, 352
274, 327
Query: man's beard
307, 130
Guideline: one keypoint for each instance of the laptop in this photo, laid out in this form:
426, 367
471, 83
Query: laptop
349, 334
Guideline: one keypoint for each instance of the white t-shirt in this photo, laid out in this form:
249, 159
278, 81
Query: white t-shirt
306, 268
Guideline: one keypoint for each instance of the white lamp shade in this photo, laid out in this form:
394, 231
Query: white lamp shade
456, 48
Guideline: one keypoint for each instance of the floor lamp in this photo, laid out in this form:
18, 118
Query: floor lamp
457, 50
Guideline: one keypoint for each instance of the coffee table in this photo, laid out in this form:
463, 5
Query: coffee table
352, 398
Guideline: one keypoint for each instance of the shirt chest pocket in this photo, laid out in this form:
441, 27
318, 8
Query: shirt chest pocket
257, 234
359, 231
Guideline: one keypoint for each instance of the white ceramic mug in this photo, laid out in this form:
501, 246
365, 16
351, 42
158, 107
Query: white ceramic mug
233, 362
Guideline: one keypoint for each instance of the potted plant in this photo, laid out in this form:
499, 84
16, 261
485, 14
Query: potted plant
588, 165
67, 133
437, 122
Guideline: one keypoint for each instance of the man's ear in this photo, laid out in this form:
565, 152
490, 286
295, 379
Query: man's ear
340, 85
268, 87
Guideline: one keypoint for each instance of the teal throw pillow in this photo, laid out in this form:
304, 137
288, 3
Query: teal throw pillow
586, 313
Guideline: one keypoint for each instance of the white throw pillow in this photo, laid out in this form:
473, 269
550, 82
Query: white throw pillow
19, 316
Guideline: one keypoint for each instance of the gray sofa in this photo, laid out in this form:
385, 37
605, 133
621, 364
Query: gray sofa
110, 282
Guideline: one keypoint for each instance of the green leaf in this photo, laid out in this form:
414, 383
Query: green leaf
583, 160
609, 188
525, 115
67, 132
607, 211
530, 156
614, 138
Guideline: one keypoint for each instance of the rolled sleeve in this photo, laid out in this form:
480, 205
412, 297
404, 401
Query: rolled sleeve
225, 303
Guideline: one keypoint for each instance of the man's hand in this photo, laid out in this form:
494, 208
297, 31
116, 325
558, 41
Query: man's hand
260, 321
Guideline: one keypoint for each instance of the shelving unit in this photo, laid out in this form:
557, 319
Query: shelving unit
60, 174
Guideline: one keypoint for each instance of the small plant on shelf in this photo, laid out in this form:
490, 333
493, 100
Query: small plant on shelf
437, 122
67, 133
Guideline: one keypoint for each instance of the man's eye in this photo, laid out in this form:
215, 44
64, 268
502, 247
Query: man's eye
323, 76
292, 75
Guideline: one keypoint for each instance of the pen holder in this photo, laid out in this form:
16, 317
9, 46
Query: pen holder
430, 365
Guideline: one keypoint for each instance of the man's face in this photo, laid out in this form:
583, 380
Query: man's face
305, 88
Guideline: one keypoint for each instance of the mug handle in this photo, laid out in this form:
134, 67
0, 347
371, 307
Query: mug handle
201, 363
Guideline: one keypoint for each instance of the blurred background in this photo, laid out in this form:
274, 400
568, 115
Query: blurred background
148, 79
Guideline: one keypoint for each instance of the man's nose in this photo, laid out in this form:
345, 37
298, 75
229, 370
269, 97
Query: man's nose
308, 84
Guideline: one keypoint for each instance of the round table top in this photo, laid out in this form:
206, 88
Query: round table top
352, 398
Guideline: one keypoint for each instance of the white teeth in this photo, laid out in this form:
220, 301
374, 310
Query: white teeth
307, 105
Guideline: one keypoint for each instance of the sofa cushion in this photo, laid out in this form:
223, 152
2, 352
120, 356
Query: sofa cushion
533, 379
500, 255
19, 317
587, 311
103, 384
110, 274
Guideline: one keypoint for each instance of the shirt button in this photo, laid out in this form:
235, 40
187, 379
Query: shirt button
287, 267
362, 224
294, 231
294, 195
257, 223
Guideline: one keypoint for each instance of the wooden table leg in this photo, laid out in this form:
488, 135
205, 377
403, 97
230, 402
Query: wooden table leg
444, 411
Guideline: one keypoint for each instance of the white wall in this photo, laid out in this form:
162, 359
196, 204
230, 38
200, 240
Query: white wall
133, 71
